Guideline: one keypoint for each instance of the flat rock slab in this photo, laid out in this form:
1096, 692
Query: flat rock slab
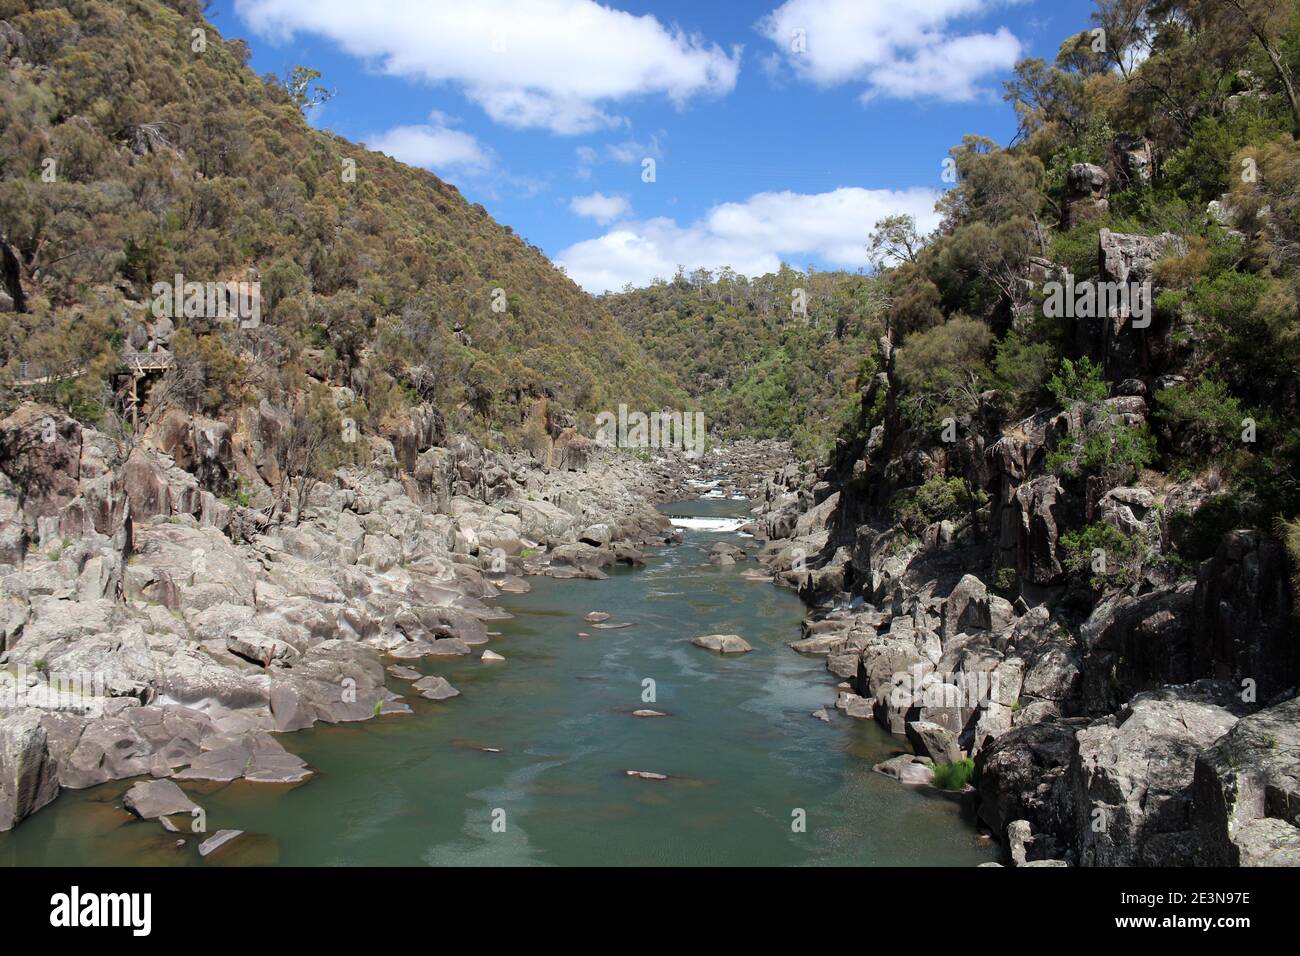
435, 688
646, 774
722, 643
906, 768
151, 799
448, 647
820, 644
218, 840
648, 713
413, 650
256, 757
491, 657
611, 627
404, 673
596, 617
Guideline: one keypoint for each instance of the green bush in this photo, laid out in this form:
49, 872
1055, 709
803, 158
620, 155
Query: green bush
1123, 555
1206, 420
936, 500
1080, 381
954, 776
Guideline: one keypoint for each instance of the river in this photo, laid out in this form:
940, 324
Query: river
746, 762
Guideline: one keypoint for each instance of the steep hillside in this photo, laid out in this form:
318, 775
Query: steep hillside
136, 145
1070, 501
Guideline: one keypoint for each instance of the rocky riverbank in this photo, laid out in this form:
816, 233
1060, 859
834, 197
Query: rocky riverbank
1157, 727
150, 628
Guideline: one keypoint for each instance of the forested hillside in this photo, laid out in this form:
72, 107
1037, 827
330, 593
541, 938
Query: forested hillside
1180, 171
777, 356
1079, 495
136, 145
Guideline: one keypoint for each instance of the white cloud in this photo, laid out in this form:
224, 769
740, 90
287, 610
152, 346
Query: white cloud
435, 147
904, 49
626, 152
604, 209
753, 237
555, 64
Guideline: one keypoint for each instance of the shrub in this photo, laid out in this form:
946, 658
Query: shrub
954, 776
1205, 418
1080, 381
936, 500
1107, 555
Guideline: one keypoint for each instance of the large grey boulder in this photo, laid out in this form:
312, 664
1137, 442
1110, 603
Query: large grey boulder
722, 643
1246, 792
969, 607
931, 740
1132, 776
28, 775
1022, 775
435, 688
1138, 643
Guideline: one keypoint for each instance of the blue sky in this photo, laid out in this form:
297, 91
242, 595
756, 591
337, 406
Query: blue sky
778, 130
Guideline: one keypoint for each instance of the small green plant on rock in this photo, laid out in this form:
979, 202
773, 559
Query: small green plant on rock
954, 776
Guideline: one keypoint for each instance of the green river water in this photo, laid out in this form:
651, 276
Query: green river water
741, 749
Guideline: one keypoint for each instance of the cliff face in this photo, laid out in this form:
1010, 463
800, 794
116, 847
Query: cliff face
1112, 694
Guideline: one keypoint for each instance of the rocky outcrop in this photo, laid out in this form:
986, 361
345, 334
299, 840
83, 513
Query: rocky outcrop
1246, 792
40, 452
1129, 349
1087, 187
160, 632
1031, 530
1132, 776
1243, 622
1023, 775
28, 776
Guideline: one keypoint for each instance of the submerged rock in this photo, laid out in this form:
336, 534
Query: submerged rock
646, 774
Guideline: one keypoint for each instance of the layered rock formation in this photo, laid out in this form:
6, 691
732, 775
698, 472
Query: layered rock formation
150, 626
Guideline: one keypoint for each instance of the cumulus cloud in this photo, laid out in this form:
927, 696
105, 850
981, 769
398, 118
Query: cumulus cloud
753, 237
604, 209
434, 146
905, 49
554, 64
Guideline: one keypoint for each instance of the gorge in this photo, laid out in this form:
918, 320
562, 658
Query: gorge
422, 554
